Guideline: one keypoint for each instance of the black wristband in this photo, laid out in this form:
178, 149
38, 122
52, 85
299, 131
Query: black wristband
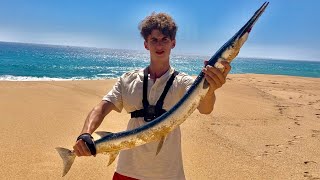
88, 139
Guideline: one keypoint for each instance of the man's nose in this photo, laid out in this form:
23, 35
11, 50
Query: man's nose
159, 44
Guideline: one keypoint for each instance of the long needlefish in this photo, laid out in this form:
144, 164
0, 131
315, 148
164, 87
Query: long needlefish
156, 130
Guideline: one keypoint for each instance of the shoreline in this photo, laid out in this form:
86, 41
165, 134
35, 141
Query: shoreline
46, 79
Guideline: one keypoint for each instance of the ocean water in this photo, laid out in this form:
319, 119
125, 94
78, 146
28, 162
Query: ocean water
20, 62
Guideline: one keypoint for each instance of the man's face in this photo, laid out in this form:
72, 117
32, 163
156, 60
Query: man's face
159, 45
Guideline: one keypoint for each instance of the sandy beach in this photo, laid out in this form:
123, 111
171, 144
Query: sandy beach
263, 127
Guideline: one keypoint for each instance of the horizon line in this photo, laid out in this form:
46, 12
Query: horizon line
139, 50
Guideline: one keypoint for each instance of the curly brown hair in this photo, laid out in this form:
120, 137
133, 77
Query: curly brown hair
162, 22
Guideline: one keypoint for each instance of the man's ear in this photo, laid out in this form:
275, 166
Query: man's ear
146, 45
173, 44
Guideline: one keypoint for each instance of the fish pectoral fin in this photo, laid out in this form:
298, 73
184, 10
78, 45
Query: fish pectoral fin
112, 156
102, 134
160, 144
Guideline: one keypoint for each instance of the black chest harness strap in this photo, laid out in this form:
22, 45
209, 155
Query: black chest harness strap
150, 112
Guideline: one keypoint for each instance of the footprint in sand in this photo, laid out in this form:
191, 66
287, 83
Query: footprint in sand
273, 149
278, 149
313, 102
291, 142
294, 140
315, 133
297, 137
296, 119
307, 173
281, 108
310, 176
310, 162
262, 155
297, 123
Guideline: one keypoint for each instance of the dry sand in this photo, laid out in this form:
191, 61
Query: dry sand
263, 127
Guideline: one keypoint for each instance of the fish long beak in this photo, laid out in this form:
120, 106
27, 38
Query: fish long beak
248, 26
241, 34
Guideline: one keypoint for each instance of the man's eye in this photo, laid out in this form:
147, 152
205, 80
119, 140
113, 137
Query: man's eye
165, 39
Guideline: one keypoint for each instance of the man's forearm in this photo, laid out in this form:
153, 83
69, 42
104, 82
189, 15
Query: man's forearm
92, 122
96, 116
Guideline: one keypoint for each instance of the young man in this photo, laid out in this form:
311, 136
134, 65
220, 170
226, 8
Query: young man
158, 31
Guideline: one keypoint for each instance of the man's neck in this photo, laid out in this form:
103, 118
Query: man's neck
157, 70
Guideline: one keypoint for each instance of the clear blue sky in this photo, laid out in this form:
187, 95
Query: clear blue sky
289, 29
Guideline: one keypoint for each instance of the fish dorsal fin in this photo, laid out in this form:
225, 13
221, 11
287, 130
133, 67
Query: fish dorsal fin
112, 156
160, 144
102, 134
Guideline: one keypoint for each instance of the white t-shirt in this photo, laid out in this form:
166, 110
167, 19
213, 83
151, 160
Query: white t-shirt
142, 162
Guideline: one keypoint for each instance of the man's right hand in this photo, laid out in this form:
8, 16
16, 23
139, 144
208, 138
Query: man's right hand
81, 149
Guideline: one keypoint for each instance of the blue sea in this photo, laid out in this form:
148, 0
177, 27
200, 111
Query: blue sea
29, 62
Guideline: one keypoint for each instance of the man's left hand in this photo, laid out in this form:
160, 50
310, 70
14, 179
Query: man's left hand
215, 77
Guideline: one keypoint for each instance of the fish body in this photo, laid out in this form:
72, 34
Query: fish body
112, 143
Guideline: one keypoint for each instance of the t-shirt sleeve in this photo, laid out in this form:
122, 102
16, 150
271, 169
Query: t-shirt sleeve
115, 95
